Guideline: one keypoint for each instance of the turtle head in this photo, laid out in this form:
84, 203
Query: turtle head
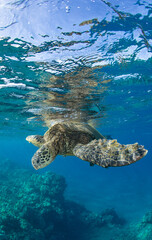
43, 157
36, 140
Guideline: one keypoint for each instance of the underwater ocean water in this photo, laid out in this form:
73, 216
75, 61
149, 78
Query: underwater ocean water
88, 61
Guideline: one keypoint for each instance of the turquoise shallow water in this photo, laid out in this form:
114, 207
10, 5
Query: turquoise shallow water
89, 61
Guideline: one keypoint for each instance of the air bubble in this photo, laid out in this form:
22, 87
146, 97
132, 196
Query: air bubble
67, 9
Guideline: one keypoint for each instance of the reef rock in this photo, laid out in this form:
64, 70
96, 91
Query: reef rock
32, 206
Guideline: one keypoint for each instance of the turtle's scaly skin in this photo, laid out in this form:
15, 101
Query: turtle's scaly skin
107, 153
85, 142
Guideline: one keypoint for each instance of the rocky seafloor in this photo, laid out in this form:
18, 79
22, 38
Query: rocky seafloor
33, 207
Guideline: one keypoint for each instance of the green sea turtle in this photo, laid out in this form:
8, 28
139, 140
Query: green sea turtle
85, 142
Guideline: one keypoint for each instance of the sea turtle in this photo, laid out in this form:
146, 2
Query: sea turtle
85, 142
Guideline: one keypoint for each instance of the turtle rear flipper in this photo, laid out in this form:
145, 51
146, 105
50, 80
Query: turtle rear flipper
109, 153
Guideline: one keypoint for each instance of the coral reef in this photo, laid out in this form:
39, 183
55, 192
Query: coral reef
144, 228
32, 206
136, 230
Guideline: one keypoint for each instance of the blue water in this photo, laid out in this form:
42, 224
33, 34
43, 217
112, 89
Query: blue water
82, 60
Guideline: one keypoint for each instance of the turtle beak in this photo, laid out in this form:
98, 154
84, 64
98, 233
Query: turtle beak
28, 138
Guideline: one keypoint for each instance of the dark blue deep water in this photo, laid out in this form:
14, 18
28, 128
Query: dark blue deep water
88, 61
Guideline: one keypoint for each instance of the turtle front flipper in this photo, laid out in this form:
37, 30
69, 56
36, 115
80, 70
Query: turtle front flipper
36, 140
44, 155
109, 153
